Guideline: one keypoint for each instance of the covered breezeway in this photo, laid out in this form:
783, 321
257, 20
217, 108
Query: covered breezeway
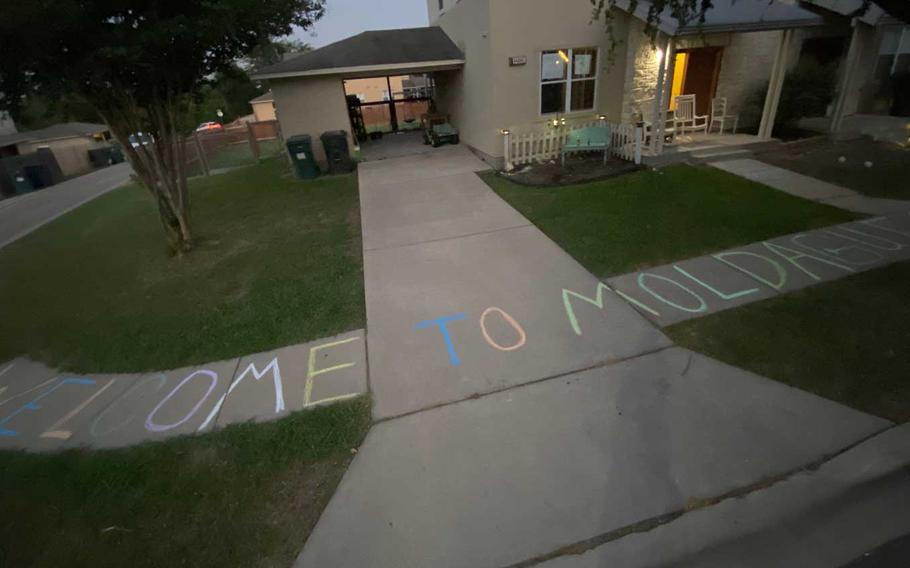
316, 92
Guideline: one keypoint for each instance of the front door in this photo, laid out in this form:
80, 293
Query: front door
695, 73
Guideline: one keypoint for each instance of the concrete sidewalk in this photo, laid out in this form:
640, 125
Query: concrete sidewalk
522, 406
21, 215
700, 286
811, 188
42, 409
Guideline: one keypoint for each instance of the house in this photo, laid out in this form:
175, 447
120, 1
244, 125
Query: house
263, 107
501, 67
69, 142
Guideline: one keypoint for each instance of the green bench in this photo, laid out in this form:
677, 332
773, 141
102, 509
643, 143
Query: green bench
588, 139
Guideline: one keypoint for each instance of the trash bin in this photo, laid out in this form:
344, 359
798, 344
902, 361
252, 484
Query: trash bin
21, 182
335, 143
300, 147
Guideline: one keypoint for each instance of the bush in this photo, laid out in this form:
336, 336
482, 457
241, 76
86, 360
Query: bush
808, 90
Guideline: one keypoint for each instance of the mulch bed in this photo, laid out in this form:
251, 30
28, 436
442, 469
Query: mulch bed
578, 169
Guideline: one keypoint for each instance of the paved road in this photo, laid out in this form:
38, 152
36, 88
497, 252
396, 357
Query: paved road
20, 216
523, 406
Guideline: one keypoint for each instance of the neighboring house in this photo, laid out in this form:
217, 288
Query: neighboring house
518, 64
264, 107
69, 142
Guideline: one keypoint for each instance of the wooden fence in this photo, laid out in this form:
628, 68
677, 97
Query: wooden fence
546, 143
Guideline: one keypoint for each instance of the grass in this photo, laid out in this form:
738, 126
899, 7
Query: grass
846, 340
887, 177
248, 495
278, 262
654, 217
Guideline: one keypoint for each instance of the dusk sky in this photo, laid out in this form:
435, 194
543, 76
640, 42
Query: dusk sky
345, 18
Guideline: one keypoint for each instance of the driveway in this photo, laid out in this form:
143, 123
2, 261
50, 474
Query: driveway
521, 405
21, 215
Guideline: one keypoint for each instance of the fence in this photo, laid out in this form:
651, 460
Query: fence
546, 143
234, 146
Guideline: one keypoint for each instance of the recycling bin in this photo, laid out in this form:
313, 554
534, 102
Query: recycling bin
337, 154
300, 147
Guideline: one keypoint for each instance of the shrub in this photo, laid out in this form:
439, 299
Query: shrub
807, 91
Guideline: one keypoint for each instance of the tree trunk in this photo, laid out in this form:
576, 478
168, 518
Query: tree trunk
160, 164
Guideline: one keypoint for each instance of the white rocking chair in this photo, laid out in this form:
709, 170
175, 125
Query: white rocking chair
719, 115
650, 124
685, 119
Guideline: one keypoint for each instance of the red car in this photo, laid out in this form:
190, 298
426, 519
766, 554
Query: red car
209, 127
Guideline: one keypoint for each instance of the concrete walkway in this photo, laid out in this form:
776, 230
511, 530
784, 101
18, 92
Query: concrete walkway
21, 215
523, 408
42, 409
811, 188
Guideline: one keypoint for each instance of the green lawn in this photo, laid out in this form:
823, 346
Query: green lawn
888, 174
245, 496
846, 340
278, 262
654, 217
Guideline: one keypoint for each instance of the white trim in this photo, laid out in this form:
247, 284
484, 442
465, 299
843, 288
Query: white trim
382, 69
568, 82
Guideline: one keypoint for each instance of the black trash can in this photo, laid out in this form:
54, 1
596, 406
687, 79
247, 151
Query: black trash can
300, 147
335, 143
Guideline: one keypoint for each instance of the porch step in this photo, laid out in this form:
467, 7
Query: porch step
719, 155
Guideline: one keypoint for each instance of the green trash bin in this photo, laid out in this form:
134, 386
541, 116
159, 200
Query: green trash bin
300, 147
21, 182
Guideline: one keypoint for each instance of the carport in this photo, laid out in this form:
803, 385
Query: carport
309, 89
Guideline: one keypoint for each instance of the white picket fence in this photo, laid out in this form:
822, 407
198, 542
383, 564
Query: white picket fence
546, 142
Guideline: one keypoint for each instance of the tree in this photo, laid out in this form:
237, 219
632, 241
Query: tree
142, 65
274, 51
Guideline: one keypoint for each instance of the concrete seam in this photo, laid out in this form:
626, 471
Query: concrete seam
479, 395
417, 243
230, 382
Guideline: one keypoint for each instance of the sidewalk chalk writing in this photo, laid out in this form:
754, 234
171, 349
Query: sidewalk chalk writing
521, 337
690, 288
148, 399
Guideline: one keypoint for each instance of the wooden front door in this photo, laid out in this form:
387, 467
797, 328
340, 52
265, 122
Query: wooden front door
702, 69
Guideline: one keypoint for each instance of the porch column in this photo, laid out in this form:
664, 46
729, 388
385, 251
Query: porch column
775, 84
849, 78
659, 125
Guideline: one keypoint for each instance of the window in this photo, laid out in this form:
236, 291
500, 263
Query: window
442, 5
568, 79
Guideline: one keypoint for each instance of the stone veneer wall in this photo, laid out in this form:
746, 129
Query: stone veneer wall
641, 71
746, 66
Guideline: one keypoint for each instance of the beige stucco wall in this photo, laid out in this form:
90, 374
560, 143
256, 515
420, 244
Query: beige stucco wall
71, 153
264, 110
311, 105
489, 94
466, 94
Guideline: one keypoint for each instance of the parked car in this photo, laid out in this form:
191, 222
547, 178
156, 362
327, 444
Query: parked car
209, 127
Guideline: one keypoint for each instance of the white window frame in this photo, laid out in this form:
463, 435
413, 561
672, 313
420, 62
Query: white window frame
568, 81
